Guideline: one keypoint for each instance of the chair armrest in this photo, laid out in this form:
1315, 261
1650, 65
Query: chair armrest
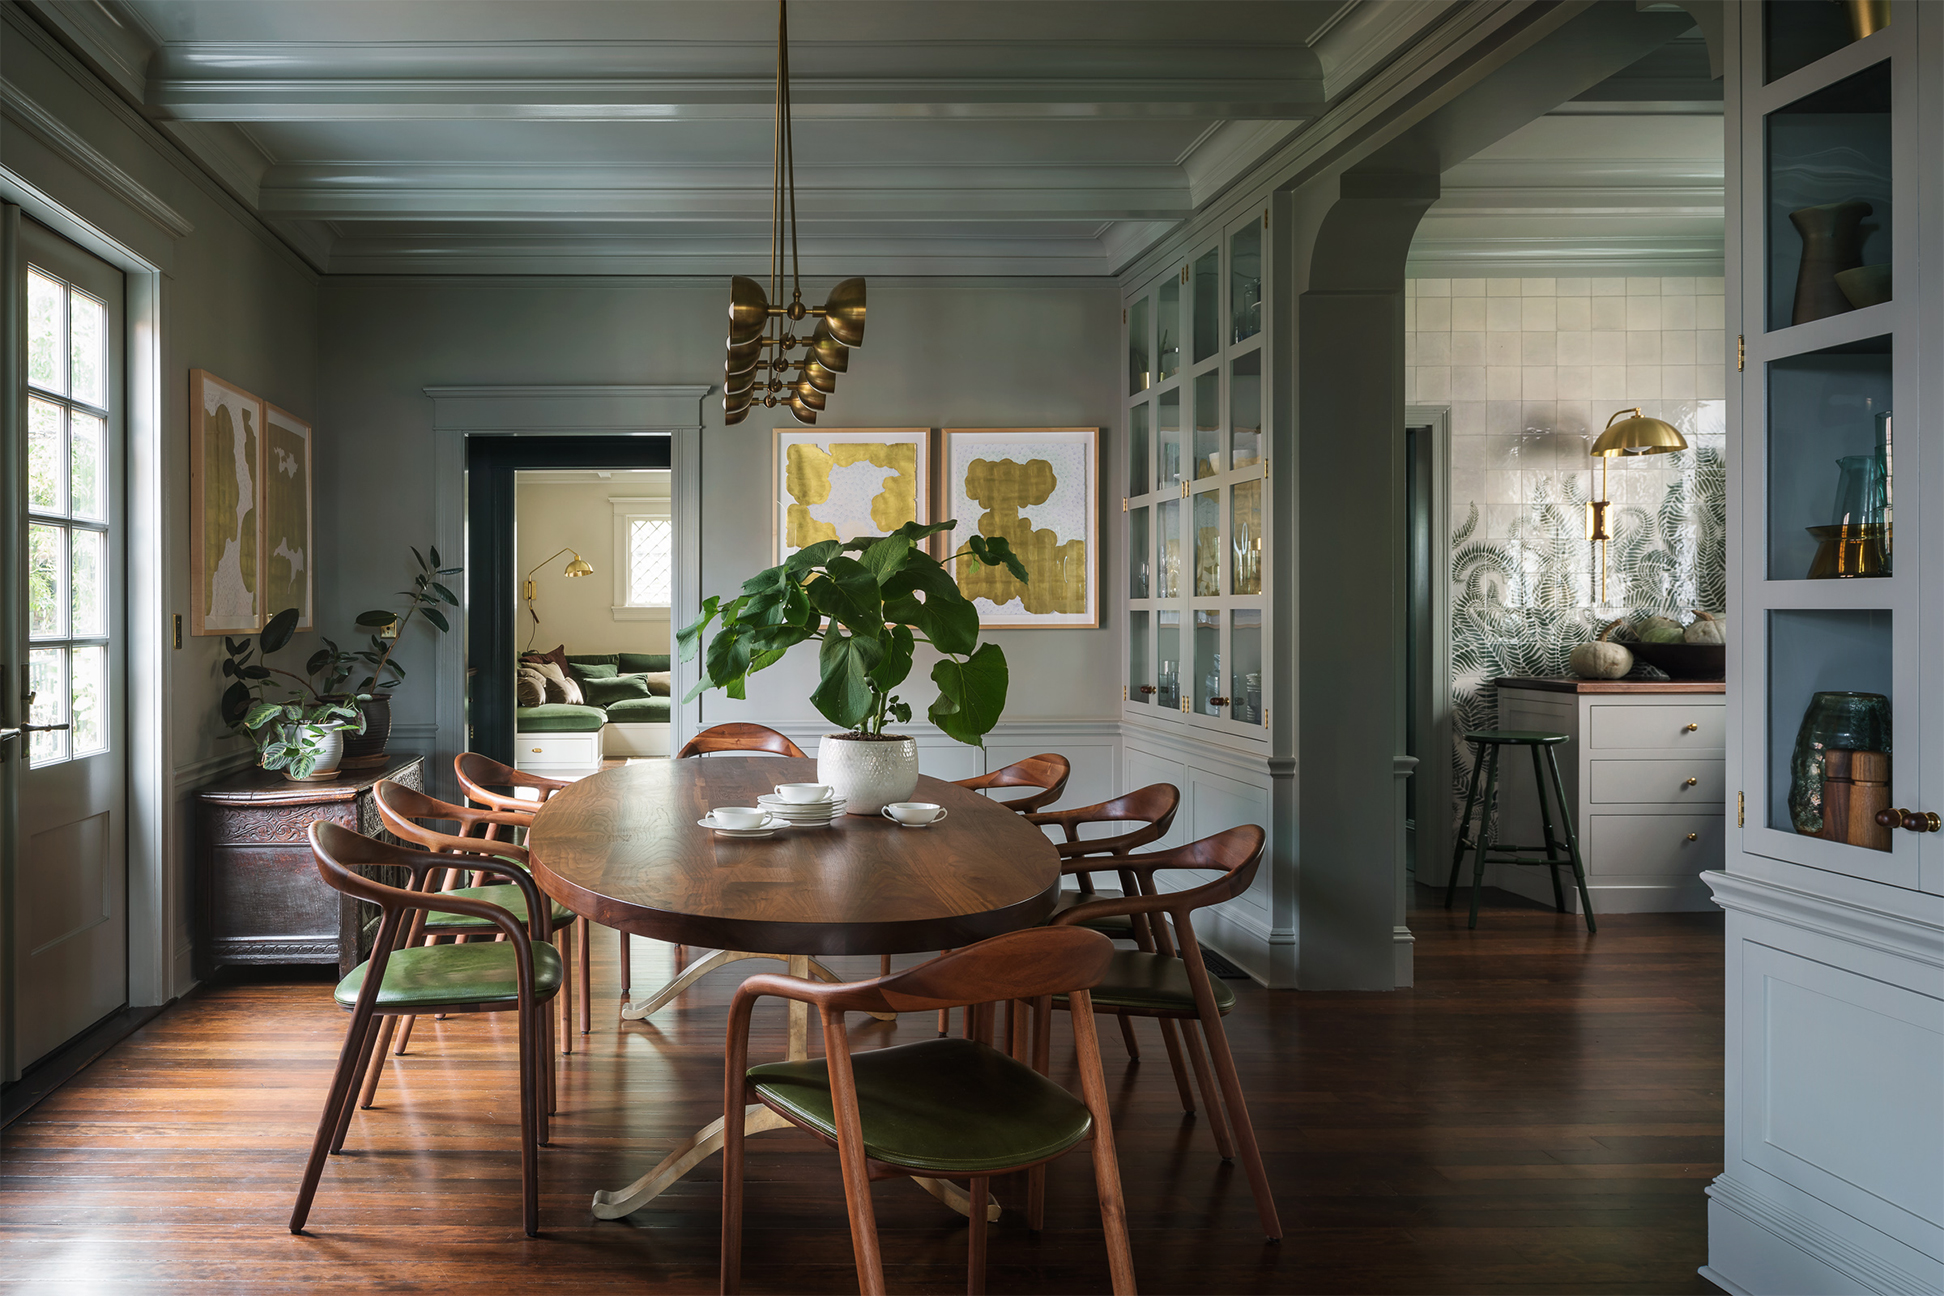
498, 915
538, 911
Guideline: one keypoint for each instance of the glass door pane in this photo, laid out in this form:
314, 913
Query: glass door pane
1139, 372
1829, 189
1208, 544
1208, 423
1245, 282
1245, 410
1208, 662
1137, 450
1140, 685
1207, 281
1795, 34
1167, 326
1138, 554
1167, 467
1167, 658
1245, 538
1167, 538
1831, 445
1245, 670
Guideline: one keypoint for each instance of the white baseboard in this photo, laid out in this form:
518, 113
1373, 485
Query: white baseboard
1758, 1244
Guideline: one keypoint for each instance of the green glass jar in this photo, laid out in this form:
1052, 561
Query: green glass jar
1851, 721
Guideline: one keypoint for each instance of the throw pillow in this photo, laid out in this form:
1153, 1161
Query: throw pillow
559, 687
602, 692
638, 663
531, 688
606, 670
558, 657
657, 681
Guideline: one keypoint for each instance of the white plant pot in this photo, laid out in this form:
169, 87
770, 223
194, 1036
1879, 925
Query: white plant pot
868, 773
327, 760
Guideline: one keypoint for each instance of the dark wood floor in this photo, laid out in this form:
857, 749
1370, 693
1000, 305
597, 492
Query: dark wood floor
1539, 1115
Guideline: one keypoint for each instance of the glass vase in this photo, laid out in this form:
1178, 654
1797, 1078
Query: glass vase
1853, 721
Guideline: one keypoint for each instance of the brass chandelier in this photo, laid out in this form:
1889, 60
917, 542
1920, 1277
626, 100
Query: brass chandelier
759, 369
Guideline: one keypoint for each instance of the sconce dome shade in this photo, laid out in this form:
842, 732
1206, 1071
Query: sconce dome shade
1638, 435
578, 567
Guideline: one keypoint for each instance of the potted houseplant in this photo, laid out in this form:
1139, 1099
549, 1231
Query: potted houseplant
334, 666
303, 739
868, 604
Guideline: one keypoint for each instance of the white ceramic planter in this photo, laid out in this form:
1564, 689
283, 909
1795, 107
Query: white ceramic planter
868, 773
327, 760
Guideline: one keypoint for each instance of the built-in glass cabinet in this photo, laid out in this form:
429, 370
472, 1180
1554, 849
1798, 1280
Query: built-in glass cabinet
1196, 509
1827, 623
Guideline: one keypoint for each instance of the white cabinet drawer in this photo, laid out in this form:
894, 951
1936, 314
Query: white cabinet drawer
546, 750
1673, 782
1643, 845
1678, 728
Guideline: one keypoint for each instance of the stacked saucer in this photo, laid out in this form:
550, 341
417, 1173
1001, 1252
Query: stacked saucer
803, 814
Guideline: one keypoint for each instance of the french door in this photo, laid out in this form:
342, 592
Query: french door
63, 684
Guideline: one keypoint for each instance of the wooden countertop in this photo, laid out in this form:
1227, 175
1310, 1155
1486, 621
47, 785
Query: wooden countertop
257, 785
1573, 684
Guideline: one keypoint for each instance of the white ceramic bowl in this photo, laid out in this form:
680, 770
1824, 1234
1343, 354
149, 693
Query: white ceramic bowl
738, 816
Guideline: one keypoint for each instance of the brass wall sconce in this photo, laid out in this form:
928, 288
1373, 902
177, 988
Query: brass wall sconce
1638, 435
577, 566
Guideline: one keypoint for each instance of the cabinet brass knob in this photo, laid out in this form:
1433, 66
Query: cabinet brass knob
1147, 688
1692, 782
1694, 836
1693, 728
537, 751
1218, 701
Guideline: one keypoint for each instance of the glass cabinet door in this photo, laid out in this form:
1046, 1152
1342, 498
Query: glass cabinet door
1140, 348
1826, 628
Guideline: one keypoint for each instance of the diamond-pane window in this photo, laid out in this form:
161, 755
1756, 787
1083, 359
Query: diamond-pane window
650, 561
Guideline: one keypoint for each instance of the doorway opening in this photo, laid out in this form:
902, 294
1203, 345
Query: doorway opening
570, 552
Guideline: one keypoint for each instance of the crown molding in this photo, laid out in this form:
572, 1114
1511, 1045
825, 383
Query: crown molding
106, 40
515, 408
1545, 255
1362, 35
44, 126
1227, 153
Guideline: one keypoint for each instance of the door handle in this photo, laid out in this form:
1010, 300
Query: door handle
31, 728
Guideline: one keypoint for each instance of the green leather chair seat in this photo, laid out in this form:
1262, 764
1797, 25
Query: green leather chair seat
507, 897
454, 974
559, 717
1152, 982
944, 1106
1119, 926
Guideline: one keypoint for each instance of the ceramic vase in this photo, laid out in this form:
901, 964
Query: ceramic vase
1854, 721
368, 748
331, 752
1832, 241
868, 773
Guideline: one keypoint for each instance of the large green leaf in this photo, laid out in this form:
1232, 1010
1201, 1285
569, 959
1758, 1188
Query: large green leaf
919, 532
689, 637
996, 551
971, 694
844, 693
281, 627
849, 595
892, 669
728, 657
810, 557
885, 556
377, 617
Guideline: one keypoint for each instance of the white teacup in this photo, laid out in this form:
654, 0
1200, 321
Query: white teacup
914, 814
803, 793
737, 816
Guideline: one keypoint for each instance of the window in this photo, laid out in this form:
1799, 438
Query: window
68, 549
644, 559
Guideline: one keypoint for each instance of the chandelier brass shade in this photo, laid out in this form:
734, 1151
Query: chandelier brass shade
757, 325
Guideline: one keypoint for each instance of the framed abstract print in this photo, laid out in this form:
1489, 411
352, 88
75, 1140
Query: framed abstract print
835, 484
1039, 488
225, 476
288, 576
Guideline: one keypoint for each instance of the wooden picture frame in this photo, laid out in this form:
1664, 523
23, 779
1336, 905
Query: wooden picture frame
288, 519
225, 489
802, 462
990, 475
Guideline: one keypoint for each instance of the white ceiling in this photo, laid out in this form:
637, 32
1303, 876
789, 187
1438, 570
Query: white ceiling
635, 136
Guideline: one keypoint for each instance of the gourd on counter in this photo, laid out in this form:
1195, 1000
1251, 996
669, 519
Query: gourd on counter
1707, 629
1602, 659
1659, 630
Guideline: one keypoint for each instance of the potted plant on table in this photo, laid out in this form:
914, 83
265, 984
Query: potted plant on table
334, 666
868, 604
302, 733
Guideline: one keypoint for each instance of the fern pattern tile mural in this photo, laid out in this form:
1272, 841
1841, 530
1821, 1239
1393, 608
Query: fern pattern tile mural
1531, 369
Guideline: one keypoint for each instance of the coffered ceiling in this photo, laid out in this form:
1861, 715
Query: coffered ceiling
933, 136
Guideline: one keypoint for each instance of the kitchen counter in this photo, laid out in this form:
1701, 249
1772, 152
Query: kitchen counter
1574, 684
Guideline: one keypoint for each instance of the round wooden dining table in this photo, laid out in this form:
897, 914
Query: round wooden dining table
624, 848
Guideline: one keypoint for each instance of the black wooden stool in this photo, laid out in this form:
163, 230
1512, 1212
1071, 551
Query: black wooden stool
1485, 757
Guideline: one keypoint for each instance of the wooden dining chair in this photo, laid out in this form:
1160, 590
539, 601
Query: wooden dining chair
1046, 772
745, 738
1167, 979
404, 812
519, 973
940, 1108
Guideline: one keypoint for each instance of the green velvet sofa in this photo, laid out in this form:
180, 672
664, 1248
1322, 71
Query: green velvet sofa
565, 735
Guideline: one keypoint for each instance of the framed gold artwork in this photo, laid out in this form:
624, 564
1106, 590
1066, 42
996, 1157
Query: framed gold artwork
288, 529
225, 484
849, 484
1039, 488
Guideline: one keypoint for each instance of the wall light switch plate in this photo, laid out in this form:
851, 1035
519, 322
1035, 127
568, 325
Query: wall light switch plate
178, 631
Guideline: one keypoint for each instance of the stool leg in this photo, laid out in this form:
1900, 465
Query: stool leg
1545, 821
1572, 842
1464, 825
1484, 832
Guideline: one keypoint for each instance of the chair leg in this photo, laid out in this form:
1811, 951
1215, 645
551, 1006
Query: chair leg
530, 1031
1483, 846
732, 1198
975, 1246
1171, 1037
1042, 1050
1107, 1182
1572, 842
1127, 1038
884, 965
377, 1063
357, 1083
944, 1022
563, 941
627, 966
1546, 824
584, 952
1211, 1097
404, 1036
1464, 826
338, 1096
